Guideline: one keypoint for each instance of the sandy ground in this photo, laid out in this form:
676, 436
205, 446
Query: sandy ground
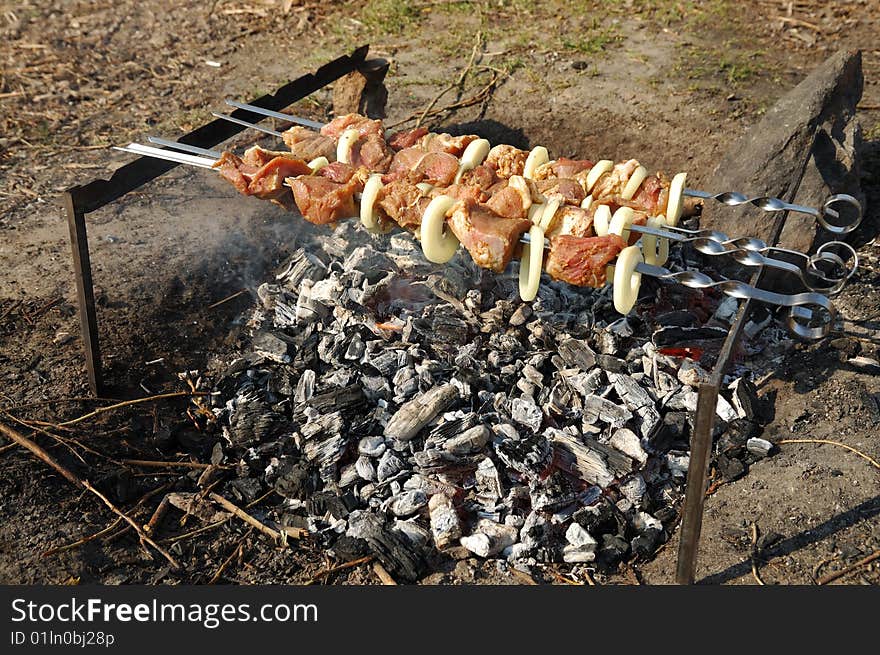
671, 83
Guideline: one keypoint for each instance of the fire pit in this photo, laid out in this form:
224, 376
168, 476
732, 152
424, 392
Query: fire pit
402, 407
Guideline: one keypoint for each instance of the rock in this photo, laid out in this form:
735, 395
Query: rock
815, 123
759, 447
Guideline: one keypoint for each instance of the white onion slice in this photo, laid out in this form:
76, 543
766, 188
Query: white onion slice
634, 182
656, 249
318, 163
536, 212
603, 166
586, 202
676, 199
343, 148
472, 157
531, 264
438, 245
620, 222
602, 220
548, 214
626, 279
424, 187
537, 157
368, 200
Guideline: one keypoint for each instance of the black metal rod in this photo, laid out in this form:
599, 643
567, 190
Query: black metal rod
82, 269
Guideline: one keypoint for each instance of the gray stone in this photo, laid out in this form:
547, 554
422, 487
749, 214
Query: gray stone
815, 120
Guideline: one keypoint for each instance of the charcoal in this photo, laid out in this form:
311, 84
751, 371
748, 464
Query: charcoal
677, 318
323, 426
342, 400
634, 488
418, 535
680, 336
453, 427
612, 364
730, 468
686, 400
246, 490
325, 452
639, 402
372, 446
253, 421
387, 362
581, 546
691, 373
735, 437
393, 550
677, 462
725, 410
435, 460
525, 412
295, 481
614, 548
365, 468
414, 415
305, 386
587, 383
553, 493
389, 465
326, 502
469, 441
577, 354
307, 310
408, 503
529, 456
602, 409
744, 398
759, 447
589, 460
644, 545
490, 538
301, 266
272, 345
522, 314
487, 482
445, 524
627, 442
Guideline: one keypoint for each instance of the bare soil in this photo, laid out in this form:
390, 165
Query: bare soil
669, 82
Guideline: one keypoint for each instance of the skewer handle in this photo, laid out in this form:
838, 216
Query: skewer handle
832, 208
305, 122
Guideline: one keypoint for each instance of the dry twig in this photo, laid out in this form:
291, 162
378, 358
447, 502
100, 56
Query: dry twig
849, 569
136, 401
341, 567
71, 477
383, 574
244, 516
873, 462
754, 555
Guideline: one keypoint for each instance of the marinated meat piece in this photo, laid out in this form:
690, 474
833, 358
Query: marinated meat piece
404, 203
406, 138
264, 181
452, 145
364, 126
568, 191
582, 260
268, 182
236, 171
639, 219
513, 198
611, 184
308, 144
321, 200
572, 220
507, 160
652, 196
482, 176
462, 192
489, 238
373, 153
414, 165
337, 171
562, 168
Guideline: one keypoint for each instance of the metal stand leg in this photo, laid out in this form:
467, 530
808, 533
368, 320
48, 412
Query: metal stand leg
85, 292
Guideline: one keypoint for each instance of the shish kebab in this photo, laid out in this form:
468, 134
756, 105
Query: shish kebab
443, 246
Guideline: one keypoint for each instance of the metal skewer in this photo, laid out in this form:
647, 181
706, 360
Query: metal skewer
238, 121
167, 155
184, 147
828, 210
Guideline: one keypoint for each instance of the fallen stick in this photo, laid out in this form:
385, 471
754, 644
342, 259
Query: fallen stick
754, 555
227, 298
244, 516
849, 569
71, 477
383, 575
237, 551
108, 408
341, 567
155, 464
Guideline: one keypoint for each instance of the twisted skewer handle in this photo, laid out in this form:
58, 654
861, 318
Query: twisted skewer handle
831, 208
811, 315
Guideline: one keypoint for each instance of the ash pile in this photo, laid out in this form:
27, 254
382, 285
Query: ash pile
407, 410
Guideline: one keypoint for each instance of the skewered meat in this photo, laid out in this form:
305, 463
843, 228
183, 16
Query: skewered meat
364, 126
443, 142
489, 238
404, 203
416, 165
323, 200
612, 184
308, 145
582, 261
573, 221
507, 160
563, 168
259, 175
406, 138
567, 190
